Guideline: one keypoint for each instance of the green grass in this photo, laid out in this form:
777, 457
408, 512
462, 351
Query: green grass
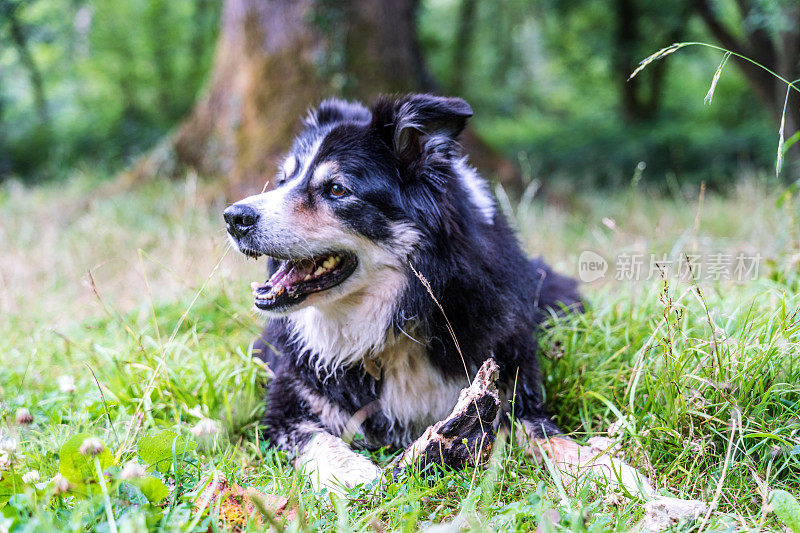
134, 297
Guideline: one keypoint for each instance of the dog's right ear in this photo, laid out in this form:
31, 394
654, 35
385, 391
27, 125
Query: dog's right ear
417, 125
333, 110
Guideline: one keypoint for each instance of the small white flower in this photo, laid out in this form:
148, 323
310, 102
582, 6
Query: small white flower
91, 446
60, 484
9, 454
197, 411
8, 445
66, 384
132, 470
31, 477
23, 416
206, 427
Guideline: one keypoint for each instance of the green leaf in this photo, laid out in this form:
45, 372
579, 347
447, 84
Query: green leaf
79, 468
787, 508
791, 141
156, 449
786, 194
8, 483
152, 487
131, 495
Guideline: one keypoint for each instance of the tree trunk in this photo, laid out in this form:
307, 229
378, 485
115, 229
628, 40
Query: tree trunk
464, 36
626, 37
640, 97
277, 58
20, 38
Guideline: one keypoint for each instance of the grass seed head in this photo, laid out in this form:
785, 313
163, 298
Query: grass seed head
132, 470
91, 446
60, 484
655, 57
715, 80
23, 416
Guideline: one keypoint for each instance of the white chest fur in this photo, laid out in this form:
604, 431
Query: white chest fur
414, 394
358, 327
351, 328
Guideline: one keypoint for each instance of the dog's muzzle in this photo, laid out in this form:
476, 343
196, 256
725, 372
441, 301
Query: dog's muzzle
299, 271
240, 220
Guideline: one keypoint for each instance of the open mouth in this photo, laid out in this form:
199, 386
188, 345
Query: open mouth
295, 279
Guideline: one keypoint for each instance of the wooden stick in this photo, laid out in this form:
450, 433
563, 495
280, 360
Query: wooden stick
466, 436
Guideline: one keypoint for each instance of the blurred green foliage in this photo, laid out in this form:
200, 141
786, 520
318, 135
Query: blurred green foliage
116, 76
547, 79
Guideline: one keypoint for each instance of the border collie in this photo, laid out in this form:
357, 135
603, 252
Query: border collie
393, 276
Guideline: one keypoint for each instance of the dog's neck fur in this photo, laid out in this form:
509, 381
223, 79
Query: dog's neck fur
359, 329
353, 328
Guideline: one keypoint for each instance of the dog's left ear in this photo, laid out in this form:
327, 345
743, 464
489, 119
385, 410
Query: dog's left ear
415, 125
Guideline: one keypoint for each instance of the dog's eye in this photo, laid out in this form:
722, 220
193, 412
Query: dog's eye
337, 191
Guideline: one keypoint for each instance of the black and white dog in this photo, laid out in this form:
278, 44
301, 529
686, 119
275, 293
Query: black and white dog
365, 198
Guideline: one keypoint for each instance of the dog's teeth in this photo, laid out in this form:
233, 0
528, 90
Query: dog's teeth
329, 262
308, 277
319, 271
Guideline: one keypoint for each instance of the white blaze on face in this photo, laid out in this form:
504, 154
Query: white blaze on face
285, 227
274, 229
289, 166
282, 224
323, 172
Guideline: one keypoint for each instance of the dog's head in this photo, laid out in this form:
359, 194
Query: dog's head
341, 215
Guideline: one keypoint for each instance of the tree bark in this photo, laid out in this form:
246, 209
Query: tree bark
626, 37
277, 58
640, 97
20, 38
461, 47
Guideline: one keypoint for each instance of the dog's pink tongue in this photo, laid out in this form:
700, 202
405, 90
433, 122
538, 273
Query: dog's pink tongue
287, 275
280, 275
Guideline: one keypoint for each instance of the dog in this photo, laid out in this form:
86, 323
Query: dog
393, 275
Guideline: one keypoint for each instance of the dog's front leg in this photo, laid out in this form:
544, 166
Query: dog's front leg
293, 425
574, 461
332, 464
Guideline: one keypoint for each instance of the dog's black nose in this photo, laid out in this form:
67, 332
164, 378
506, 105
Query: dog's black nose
240, 219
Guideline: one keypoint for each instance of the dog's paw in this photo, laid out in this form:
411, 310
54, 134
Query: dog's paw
576, 462
617, 472
329, 463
